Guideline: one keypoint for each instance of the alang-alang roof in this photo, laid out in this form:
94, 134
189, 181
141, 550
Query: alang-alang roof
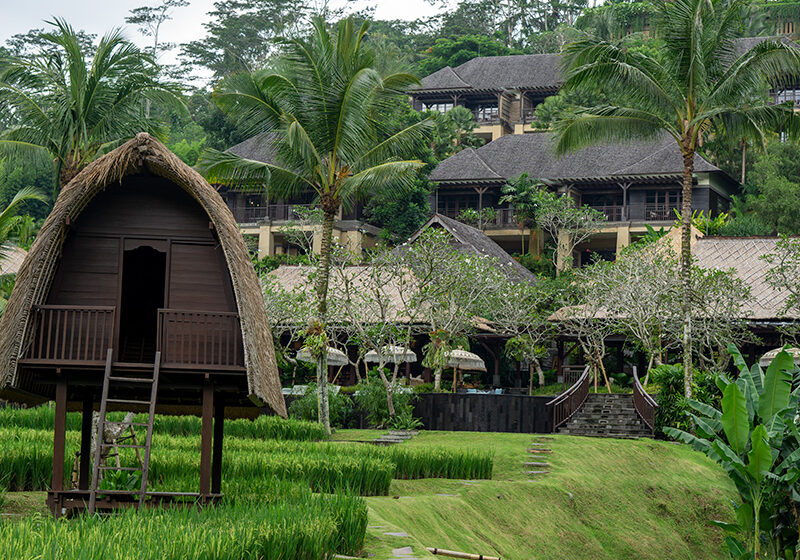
142, 154
534, 153
536, 72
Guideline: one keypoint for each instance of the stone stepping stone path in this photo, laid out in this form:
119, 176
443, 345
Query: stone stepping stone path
536, 464
394, 436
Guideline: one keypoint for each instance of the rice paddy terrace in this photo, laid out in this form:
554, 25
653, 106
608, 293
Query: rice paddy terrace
289, 495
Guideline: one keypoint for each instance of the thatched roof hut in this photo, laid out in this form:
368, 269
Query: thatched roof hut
140, 162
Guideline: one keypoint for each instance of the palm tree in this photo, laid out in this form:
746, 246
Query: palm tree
322, 103
697, 86
69, 105
9, 220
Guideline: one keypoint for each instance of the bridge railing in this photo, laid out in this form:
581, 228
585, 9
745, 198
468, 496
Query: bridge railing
645, 404
567, 403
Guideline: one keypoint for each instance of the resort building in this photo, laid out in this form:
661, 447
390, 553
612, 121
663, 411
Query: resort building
635, 185
501, 91
264, 220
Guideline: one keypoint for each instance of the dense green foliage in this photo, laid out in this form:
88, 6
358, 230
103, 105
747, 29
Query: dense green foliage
672, 404
754, 436
371, 399
306, 407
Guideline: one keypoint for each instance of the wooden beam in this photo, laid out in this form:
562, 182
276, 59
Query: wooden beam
86, 443
216, 459
205, 441
59, 435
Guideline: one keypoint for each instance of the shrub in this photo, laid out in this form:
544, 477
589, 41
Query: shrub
371, 399
538, 264
305, 408
672, 404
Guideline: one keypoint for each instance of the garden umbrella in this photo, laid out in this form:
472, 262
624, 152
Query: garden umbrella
393, 354
461, 359
767, 358
465, 360
335, 357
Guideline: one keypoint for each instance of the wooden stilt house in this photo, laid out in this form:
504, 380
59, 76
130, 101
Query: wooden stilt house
138, 295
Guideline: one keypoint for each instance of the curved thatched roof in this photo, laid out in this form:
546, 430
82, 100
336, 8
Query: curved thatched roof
143, 153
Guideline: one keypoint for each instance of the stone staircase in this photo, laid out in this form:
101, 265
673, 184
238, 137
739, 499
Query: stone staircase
604, 415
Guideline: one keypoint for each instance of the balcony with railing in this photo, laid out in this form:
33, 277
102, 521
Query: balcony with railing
267, 212
199, 339
66, 335
71, 334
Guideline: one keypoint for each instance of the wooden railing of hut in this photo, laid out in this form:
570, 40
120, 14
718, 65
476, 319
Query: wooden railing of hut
68, 333
567, 403
192, 339
645, 404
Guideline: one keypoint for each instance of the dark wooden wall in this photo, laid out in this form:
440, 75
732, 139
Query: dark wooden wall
484, 413
144, 210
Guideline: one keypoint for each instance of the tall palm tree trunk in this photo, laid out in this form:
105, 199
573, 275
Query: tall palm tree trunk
686, 264
323, 407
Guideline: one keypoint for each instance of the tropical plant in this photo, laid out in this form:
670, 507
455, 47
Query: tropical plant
755, 438
371, 398
523, 195
698, 84
69, 107
322, 102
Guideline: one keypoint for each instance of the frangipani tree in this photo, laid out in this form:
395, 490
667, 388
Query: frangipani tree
455, 291
323, 102
373, 300
522, 313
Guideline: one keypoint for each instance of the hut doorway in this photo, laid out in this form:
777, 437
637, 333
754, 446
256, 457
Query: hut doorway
144, 272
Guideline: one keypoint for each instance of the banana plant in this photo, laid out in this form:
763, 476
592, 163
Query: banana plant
756, 440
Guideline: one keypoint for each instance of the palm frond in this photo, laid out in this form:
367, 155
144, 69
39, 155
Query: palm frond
229, 169
608, 124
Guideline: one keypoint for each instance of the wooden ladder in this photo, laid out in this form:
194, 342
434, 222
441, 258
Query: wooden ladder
144, 465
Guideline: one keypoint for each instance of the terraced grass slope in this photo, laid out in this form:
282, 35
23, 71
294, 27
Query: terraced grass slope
603, 498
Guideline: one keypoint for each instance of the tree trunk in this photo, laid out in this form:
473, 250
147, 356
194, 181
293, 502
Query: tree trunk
530, 378
389, 387
539, 371
437, 379
686, 265
744, 161
322, 316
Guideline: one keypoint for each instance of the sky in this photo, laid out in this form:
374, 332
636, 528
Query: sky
98, 16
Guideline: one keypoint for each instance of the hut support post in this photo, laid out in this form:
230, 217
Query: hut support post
216, 459
86, 443
59, 434
205, 442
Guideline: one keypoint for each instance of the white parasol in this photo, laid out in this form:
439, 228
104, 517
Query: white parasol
335, 357
393, 354
767, 358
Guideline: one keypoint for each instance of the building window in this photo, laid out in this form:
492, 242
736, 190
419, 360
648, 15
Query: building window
661, 205
486, 112
438, 107
785, 95
786, 27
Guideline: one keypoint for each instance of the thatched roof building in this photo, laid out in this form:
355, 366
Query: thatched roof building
141, 165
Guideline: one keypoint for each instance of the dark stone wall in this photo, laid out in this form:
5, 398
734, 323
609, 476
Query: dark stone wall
484, 413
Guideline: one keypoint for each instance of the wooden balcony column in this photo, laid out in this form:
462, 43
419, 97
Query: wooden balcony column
625, 186
480, 191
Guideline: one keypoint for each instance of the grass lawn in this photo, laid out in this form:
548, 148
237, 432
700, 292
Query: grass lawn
604, 499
